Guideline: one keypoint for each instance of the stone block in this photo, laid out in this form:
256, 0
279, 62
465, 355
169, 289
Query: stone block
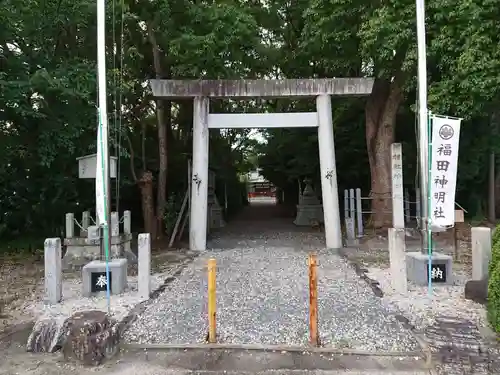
477, 291
53, 270
91, 338
94, 276
417, 268
93, 233
481, 252
397, 258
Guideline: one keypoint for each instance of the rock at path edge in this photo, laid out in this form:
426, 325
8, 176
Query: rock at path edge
477, 291
91, 338
47, 335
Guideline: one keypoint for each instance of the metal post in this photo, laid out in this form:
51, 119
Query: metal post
417, 205
423, 136
225, 199
313, 301
212, 307
103, 137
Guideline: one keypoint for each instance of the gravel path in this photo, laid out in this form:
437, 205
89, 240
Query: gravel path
262, 295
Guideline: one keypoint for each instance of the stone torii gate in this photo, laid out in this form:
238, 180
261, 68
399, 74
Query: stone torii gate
202, 90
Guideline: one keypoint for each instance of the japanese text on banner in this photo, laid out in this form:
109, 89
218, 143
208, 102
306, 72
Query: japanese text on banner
445, 143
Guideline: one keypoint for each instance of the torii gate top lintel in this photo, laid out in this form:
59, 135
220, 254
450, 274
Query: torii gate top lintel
171, 89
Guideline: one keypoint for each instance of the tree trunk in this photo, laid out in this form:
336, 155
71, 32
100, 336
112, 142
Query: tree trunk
146, 185
381, 110
161, 199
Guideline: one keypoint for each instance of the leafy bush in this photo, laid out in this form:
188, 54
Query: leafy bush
496, 236
494, 283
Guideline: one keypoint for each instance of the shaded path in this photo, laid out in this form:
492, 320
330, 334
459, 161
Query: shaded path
262, 293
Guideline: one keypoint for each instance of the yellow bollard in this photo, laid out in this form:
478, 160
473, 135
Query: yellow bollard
212, 332
313, 301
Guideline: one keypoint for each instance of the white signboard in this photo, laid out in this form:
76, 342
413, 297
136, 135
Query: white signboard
398, 217
87, 166
445, 141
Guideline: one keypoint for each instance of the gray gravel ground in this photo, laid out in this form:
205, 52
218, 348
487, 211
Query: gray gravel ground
262, 296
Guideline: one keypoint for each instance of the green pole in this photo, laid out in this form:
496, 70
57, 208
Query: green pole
105, 226
429, 197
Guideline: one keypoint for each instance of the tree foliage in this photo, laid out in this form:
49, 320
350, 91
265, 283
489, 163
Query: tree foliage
48, 95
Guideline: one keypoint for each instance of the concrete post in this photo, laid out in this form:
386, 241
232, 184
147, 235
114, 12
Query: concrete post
352, 204
144, 265
328, 168
127, 222
85, 223
346, 204
70, 225
53, 270
127, 230
115, 224
397, 258
481, 252
199, 182
359, 212
350, 231
398, 215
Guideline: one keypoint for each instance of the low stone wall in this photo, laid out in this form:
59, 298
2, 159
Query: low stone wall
80, 250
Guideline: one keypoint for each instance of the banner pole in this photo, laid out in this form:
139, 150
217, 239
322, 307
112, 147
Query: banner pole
429, 213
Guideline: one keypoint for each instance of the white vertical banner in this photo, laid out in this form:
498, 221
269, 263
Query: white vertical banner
398, 215
100, 187
444, 157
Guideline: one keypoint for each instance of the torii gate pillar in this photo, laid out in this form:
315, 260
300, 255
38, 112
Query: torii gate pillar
199, 182
331, 212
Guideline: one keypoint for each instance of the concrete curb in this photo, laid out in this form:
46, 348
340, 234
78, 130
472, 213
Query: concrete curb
375, 286
270, 348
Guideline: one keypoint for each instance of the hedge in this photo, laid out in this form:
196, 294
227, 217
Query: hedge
494, 282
